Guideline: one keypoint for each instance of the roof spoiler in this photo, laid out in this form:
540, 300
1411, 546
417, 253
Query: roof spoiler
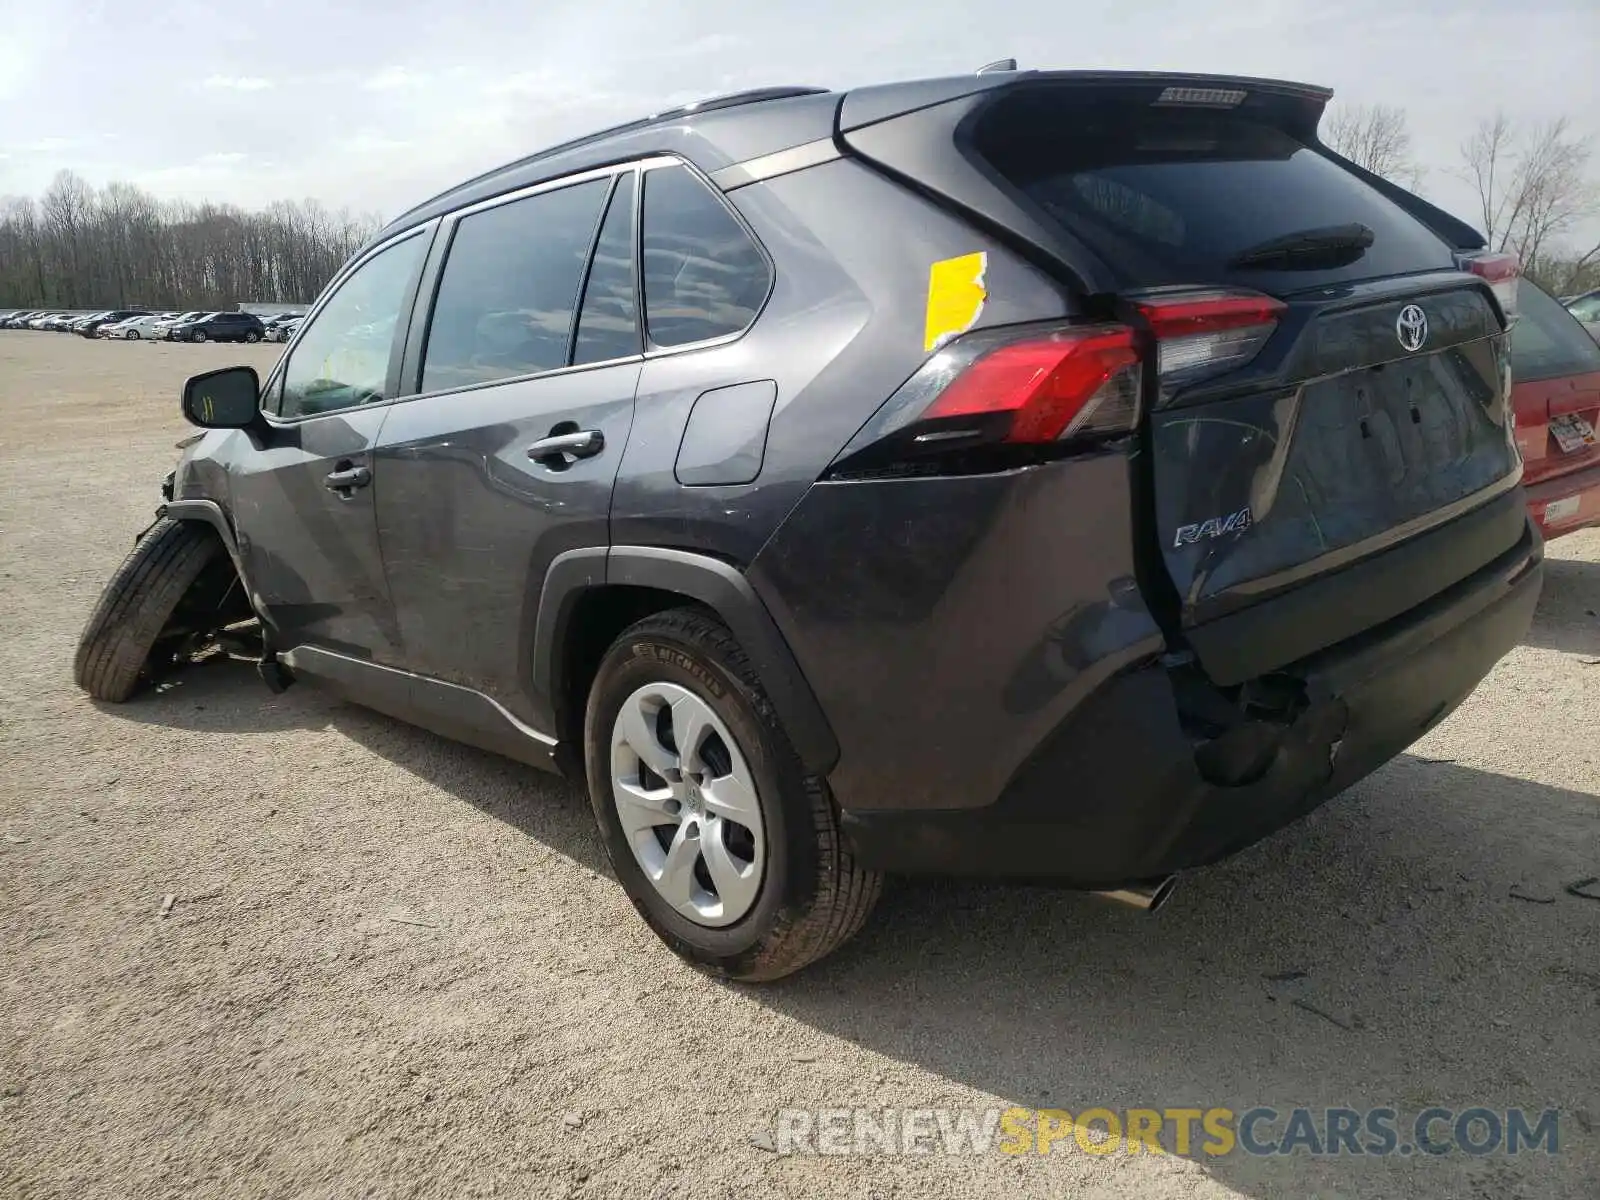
867, 106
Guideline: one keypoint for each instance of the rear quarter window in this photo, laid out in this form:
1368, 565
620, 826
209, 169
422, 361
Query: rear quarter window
1547, 342
704, 276
1170, 195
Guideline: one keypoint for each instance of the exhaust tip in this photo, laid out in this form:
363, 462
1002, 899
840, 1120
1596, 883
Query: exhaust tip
1147, 896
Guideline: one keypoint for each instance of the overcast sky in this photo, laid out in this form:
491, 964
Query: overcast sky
377, 103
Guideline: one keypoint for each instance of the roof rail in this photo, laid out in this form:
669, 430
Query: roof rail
713, 103
734, 99
997, 66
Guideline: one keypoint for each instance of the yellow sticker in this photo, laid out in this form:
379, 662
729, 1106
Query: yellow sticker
955, 297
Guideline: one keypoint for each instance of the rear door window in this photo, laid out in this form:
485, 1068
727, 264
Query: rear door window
608, 319
509, 290
1168, 195
704, 276
1547, 342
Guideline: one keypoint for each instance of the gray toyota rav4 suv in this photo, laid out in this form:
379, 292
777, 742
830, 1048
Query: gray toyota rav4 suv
1054, 476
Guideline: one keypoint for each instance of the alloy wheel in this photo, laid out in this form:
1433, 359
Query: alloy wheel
686, 800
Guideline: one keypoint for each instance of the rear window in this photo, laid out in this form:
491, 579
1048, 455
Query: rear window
1586, 308
1547, 342
1170, 195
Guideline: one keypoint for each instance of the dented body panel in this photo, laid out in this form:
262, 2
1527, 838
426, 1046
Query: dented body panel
1334, 443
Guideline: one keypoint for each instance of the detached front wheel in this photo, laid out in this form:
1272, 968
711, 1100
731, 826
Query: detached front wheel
728, 847
173, 588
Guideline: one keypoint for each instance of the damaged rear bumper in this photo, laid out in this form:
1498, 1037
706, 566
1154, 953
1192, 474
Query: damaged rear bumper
1135, 785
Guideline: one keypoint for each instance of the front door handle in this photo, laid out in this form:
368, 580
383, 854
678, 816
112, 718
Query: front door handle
553, 451
348, 479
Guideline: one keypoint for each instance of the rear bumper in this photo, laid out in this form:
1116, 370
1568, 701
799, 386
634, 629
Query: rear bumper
1118, 792
1566, 503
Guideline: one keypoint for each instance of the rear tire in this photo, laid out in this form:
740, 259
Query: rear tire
252, 337
114, 653
811, 896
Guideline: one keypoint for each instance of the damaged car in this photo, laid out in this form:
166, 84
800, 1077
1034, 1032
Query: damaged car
1051, 476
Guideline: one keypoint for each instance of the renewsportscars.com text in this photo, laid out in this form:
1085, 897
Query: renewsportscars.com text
1202, 1132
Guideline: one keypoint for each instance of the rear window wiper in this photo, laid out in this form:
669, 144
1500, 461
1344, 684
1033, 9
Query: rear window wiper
1327, 246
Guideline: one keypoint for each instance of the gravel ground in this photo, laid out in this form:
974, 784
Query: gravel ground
397, 967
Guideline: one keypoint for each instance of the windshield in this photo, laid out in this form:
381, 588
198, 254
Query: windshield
1586, 308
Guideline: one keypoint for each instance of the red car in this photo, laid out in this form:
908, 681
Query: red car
1555, 376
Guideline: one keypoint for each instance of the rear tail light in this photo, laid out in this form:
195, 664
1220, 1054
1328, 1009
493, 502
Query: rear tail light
999, 397
1051, 386
1500, 271
1206, 333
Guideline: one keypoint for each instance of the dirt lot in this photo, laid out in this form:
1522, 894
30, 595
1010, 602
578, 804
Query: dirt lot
397, 967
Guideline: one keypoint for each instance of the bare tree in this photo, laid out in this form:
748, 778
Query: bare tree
1580, 273
1375, 136
1533, 189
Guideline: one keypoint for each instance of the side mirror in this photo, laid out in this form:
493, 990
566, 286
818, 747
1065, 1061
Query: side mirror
225, 399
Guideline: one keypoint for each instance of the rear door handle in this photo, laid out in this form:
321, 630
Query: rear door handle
348, 479
551, 451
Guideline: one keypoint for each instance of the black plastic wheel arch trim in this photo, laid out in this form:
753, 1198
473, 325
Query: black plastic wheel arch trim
203, 510
211, 513
699, 577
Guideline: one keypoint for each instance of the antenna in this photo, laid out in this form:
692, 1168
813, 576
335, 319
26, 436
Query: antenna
998, 65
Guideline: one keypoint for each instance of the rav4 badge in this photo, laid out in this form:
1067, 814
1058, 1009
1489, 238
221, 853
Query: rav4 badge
1212, 527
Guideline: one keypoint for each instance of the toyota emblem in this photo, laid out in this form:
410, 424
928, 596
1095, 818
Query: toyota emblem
1411, 327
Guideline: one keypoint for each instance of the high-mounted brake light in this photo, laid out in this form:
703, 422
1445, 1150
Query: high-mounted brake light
1500, 271
1203, 97
1203, 333
1053, 386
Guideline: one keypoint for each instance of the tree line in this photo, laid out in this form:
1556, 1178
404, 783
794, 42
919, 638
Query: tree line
118, 246
81, 247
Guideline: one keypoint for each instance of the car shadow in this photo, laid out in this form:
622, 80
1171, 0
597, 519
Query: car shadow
1409, 944
222, 695
225, 696
1568, 617
1385, 951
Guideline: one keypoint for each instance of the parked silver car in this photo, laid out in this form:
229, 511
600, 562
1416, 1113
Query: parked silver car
135, 328
162, 330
